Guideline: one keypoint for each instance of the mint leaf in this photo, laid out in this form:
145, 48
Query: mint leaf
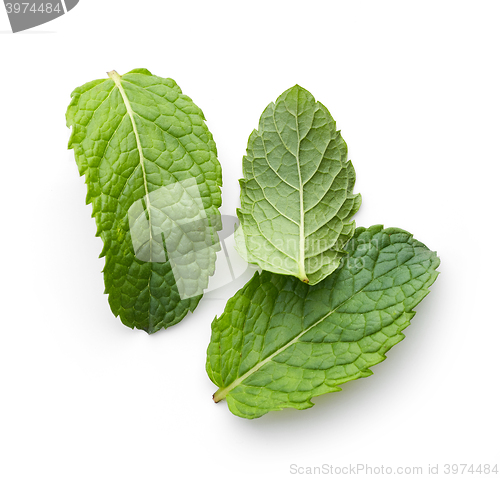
153, 179
296, 195
281, 342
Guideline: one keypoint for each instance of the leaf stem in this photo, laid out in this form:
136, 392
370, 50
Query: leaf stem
220, 395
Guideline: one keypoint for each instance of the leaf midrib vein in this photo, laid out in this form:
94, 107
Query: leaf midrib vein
301, 263
117, 79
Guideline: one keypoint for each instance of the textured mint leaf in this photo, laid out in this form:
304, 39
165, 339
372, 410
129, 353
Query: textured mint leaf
296, 195
281, 342
153, 179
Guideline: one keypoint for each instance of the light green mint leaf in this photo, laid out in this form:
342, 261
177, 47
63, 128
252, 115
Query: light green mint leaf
153, 179
296, 195
281, 342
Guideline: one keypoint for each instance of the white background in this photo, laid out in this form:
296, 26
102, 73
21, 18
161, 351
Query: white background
414, 86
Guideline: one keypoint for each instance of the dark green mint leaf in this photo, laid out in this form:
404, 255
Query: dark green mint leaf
281, 342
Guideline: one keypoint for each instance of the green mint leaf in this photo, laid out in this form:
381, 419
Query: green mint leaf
296, 195
153, 179
281, 342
